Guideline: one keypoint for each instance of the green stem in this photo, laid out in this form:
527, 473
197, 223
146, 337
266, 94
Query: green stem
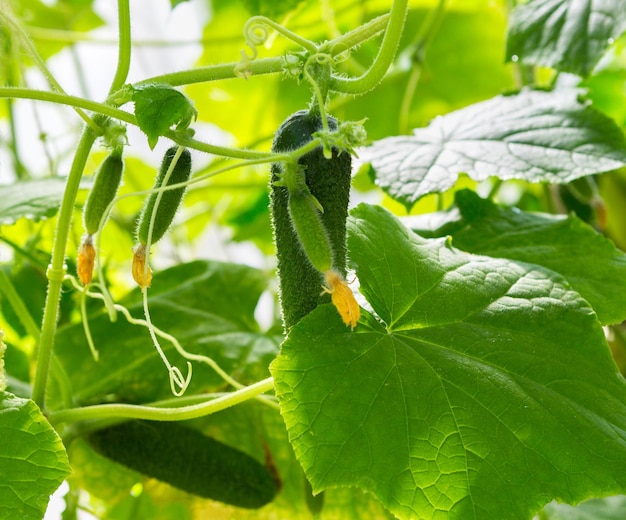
357, 36
420, 44
65, 99
56, 270
156, 413
407, 99
10, 293
214, 72
180, 137
124, 49
18, 165
268, 65
383, 59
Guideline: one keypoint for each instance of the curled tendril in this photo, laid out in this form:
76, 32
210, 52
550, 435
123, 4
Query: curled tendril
178, 383
256, 32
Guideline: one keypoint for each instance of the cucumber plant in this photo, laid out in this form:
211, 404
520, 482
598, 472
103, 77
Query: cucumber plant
435, 330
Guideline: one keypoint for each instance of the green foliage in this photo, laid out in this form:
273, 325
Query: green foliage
455, 395
32, 199
588, 261
208, 306
518, 136
478, 383
158, 108
34, 462
569, 35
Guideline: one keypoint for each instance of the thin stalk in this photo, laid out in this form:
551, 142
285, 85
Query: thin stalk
268, 65
383, 59
156, 413
420, 44
57, 268
18, 165
124, 48
181, 138
17, 304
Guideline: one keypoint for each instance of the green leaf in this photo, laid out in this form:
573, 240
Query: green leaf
483, 389
32, 199
609, 508
568, 35
33, 461
475, 33
590, 263
208, 306
158, 107
535, 135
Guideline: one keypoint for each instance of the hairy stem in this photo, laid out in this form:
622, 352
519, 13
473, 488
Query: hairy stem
57, 268
384, 58
156, 413
124, 49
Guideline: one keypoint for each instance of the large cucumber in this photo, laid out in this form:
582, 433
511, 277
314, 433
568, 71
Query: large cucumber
188, 460
328, 181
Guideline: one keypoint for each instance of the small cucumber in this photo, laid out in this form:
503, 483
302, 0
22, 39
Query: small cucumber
187, 460
106, 183
307, 223
170, 199
328, 180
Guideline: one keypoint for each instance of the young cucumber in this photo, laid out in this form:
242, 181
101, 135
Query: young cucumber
188, 460
328, 180
307, 223
170, 199
106, 183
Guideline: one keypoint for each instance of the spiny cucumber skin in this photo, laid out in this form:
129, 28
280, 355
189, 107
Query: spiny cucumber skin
170, 199
105, 186
308, 225
188, 460
329, 182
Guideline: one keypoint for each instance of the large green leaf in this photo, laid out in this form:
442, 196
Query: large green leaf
569, 35
208, 306
483, 389
591, 264
537, 136
33, 461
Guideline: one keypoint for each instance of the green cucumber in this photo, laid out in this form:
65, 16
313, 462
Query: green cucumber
105, 186
328, 180
307, 223
170, 199
188, 460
